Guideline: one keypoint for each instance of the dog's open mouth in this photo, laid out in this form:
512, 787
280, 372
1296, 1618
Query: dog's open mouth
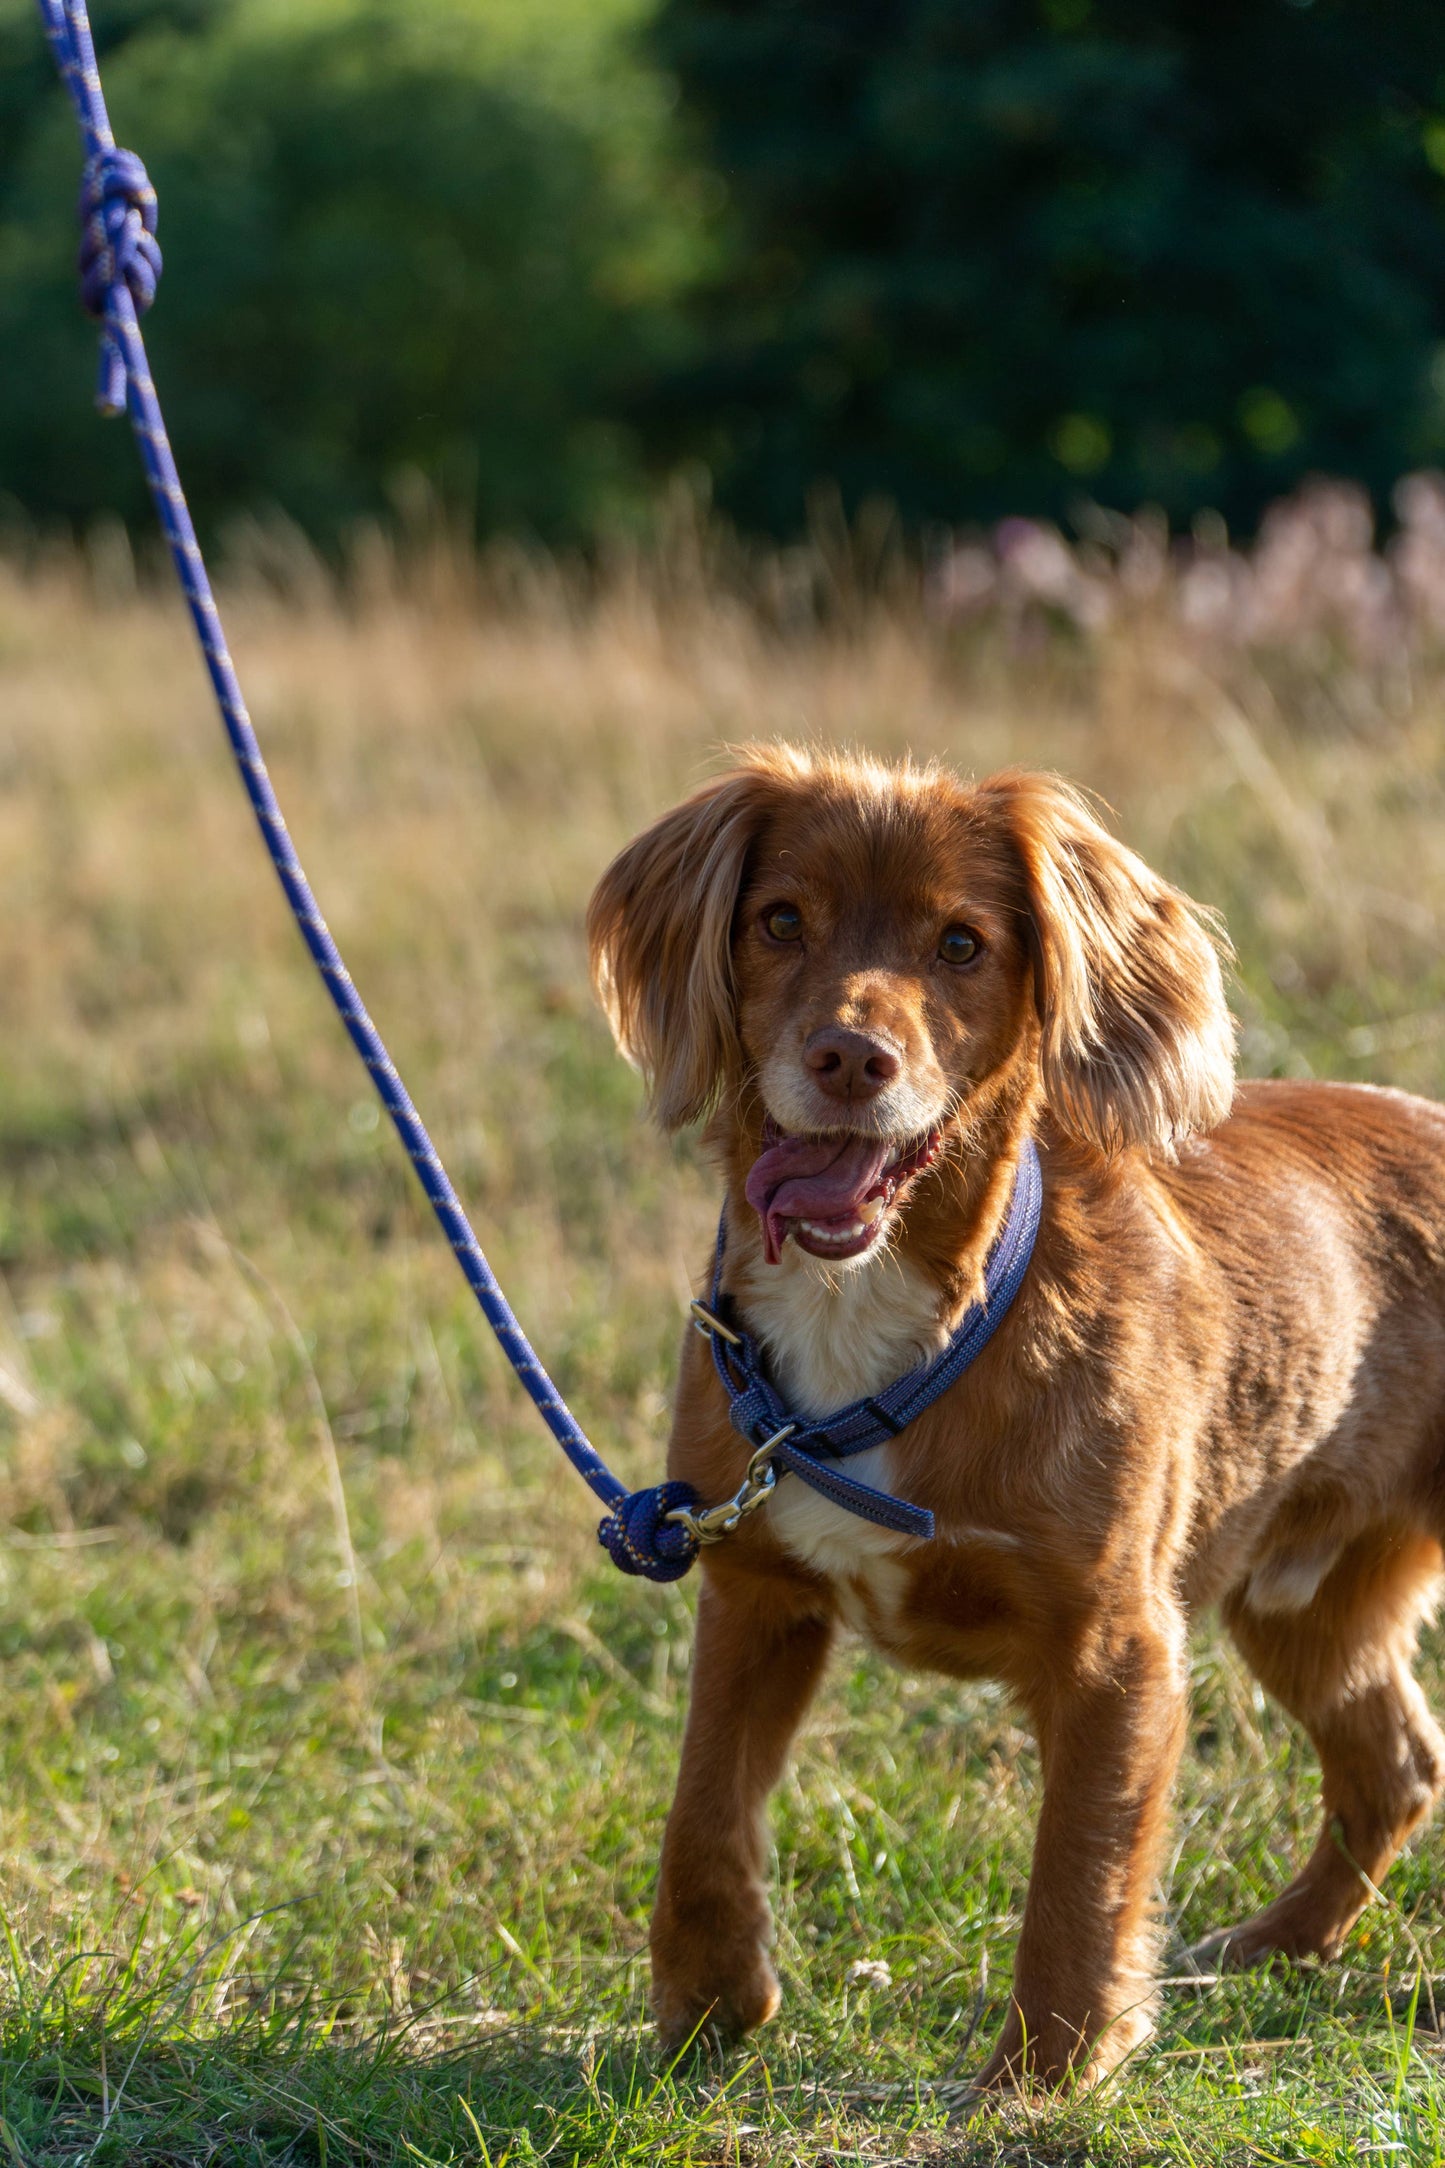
832, 1194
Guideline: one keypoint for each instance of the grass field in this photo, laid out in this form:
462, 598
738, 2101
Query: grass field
334, 1756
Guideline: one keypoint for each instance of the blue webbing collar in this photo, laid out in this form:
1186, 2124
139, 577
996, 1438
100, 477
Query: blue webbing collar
760, 1416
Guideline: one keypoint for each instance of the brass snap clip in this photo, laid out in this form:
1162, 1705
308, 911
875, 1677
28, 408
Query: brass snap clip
709, 1524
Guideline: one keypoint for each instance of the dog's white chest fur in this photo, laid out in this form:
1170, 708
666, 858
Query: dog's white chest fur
831, 1338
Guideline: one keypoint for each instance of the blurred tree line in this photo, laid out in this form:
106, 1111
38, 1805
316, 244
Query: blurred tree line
975, 256
435, 235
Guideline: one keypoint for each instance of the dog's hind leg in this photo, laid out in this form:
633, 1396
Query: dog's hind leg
1342, 1666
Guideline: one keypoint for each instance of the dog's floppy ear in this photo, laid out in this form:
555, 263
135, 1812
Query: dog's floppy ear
659, 931
1138, 1044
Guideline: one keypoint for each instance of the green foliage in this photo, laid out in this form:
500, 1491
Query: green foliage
997, 255
396, 237
27, 72
980, 258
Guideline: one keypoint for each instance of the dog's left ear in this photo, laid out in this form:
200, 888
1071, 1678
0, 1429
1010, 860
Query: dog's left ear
1138, 1043
659, 928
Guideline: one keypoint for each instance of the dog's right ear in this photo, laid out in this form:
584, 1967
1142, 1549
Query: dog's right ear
1138, 1046
659, 932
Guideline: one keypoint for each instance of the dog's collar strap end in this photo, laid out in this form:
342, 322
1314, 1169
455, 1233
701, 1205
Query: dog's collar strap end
812, 1449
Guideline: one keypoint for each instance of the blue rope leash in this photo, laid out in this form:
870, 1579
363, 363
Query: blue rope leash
120, 264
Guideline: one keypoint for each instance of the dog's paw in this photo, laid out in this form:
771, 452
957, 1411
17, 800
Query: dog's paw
1056, 2057
711, 1978
1226, 1950
1272, 1937
708, 2008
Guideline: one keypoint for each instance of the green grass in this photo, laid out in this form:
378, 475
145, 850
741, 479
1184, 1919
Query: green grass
333, 1759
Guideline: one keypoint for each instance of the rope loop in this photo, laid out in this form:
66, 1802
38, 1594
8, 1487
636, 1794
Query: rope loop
118, 247
639, 1538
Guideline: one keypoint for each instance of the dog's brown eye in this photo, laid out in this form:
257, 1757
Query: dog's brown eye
784, 922
958, 945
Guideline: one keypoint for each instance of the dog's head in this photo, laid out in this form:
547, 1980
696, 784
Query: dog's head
858, 961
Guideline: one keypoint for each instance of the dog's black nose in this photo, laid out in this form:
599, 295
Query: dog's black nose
848, 1064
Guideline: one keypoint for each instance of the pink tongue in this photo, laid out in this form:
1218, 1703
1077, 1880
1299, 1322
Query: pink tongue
826, 1178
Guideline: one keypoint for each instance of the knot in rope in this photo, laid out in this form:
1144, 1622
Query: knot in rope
638, 1537
118, 247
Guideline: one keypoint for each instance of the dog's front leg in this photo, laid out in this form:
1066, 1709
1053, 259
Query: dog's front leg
1110, 1729
760, 1650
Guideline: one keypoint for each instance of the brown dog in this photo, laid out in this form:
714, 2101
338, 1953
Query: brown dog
1223, 1378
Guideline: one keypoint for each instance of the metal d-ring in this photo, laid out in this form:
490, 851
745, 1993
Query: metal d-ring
704, 1322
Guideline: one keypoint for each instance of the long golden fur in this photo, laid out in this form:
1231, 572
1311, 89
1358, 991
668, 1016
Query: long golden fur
1223, 1381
